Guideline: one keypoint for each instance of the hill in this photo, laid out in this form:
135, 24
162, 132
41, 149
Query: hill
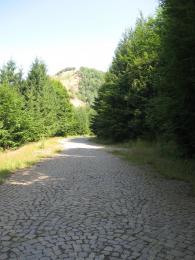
82, 84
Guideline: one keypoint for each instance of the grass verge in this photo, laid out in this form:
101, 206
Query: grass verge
161, 157
27, 155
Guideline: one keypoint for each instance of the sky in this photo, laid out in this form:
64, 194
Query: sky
66, 33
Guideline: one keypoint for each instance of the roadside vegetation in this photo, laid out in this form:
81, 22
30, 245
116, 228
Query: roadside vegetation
33, 109
161, 158
149, 92
27, 155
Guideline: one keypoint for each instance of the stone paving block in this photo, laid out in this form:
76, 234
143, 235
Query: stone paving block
88, 204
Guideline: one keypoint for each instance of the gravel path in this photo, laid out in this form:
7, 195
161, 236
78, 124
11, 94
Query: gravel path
88, 204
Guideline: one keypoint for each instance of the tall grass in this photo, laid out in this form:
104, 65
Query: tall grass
25, 156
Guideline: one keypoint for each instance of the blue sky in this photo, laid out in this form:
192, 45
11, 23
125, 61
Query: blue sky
66, 33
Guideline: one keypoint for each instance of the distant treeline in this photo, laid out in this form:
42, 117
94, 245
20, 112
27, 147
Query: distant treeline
35, 107
149, 91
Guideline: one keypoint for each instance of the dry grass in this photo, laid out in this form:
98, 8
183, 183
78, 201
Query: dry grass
27, 155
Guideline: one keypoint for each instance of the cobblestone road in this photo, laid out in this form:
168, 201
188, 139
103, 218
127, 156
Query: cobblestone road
88, 204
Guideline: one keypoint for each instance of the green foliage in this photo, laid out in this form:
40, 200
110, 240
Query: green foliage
48, 103
11, 76
129, 85
90, 82
150, 88
64, 111
81, 120
12, 117
177, 85
35, 108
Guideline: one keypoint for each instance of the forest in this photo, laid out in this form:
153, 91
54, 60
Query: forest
149, 89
